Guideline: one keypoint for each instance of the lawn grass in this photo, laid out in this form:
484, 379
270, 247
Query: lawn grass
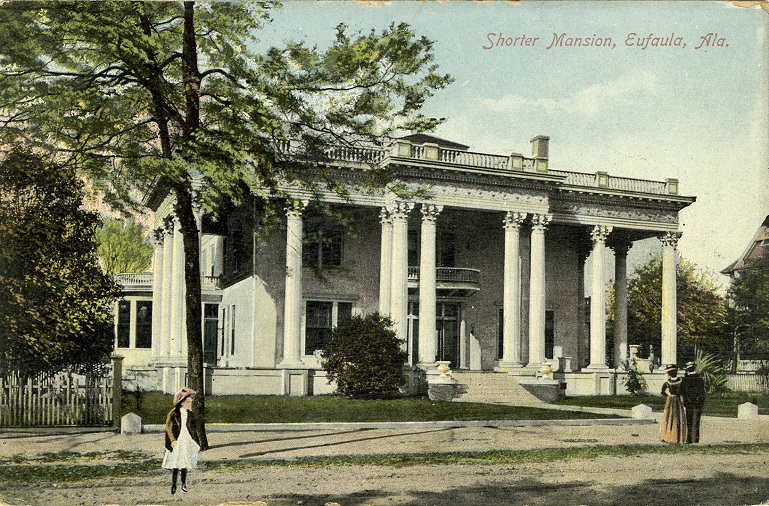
154, 407
715, 405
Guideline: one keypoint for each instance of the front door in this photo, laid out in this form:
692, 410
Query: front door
447, 325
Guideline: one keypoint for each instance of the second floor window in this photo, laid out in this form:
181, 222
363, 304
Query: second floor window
322, 244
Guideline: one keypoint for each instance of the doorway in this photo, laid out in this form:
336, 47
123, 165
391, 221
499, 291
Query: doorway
447, 325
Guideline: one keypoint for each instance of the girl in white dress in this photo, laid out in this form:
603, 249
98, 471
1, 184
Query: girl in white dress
182, 439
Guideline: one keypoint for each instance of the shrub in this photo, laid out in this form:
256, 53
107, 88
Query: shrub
634, 381
365, 358
713, 373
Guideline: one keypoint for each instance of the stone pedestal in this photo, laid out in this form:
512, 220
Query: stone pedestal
747, 411
642, 411
131, 424
545, 389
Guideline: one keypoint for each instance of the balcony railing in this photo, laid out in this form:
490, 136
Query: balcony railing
143, 281
134, 281
402, 149
450, 275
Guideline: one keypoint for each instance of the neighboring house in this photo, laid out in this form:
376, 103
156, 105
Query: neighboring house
486, 271
757, 248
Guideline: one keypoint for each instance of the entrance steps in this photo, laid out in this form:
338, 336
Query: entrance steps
492, 388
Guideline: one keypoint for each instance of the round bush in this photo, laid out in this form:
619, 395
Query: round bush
365, 358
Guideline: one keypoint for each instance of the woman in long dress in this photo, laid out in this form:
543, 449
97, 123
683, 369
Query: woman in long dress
182, 439
673, 428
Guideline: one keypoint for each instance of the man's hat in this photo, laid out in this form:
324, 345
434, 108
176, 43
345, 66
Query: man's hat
182, 394
690, 366
671, 368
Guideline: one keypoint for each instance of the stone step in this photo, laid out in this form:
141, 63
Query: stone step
492, 388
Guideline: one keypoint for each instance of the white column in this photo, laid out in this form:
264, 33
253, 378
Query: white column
399, 281
177, 293
428, 338
157, 293
598, 299
620, 292
539, 223
292, 321
166, 292
511, 303
669, 303
385, 262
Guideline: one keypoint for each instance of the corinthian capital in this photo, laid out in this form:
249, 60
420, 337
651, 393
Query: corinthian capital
600, 233
400, 209
430, 212
670, 238
513, 219
384, 216
540, 221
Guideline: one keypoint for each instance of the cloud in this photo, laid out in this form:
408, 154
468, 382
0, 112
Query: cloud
589, 101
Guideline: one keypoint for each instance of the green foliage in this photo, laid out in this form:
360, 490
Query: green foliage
54, 299
157, 96
634, 382
123, 246
713, 373
365, 358
749, 297
701, 309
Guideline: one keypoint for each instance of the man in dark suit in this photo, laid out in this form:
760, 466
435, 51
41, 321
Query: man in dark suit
693, 393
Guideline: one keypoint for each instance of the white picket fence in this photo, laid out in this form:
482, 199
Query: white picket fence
59, 399
746, 383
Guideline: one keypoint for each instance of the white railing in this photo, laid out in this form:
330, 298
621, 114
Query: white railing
449, 274
603, 180
483, 160
134, 280
512, 163
130, 281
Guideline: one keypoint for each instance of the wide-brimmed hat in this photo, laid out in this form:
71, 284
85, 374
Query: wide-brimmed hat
690, 366
671, 368
182, 394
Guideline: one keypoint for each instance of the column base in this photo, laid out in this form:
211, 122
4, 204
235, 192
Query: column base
509, 366
597, 368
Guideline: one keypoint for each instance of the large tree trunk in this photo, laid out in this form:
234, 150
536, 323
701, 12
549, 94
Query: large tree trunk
186, 215
193, 302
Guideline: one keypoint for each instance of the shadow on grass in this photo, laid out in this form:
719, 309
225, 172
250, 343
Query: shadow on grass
338, 443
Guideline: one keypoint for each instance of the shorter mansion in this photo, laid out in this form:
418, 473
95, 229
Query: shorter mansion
484, 268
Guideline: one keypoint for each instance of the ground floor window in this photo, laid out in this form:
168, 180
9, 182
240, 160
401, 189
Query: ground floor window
124, 324
144, 324
320, 319
210, 332
133, 328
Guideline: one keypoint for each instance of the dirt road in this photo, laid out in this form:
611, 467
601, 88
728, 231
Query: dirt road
717, 480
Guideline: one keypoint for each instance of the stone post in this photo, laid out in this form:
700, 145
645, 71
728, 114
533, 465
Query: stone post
117, 388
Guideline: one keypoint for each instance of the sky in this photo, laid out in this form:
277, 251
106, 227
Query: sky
695, 109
